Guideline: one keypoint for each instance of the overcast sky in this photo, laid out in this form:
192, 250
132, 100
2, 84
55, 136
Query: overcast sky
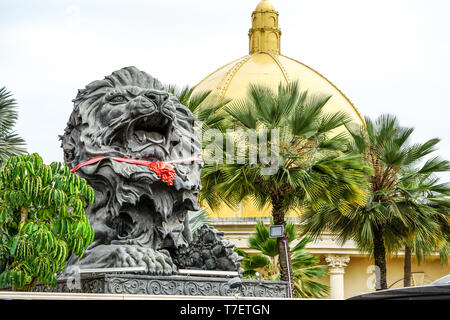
385, 55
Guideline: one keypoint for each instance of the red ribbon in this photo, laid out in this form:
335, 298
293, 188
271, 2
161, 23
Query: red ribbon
163, 170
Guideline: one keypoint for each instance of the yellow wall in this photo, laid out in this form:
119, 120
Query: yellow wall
356, 276
247, 209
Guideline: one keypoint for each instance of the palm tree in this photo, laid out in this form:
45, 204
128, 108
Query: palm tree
10, 143
305, 268
387, 218
425, 194
209, 114
308, 167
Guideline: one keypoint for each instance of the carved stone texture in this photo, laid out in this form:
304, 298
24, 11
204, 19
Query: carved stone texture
195, 287
138, 219
337, 263
208, 251
94, 285
175, 285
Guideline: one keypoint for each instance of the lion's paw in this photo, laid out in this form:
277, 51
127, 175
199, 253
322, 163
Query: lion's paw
155, 262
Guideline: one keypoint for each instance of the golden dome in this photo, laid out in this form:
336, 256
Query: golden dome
231, 81
267, 66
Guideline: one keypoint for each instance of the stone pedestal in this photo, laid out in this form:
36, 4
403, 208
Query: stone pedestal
337, 264
169, 285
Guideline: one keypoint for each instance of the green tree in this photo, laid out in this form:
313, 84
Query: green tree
431, 233
388, 217
10, 143
202, 105
308, 167
42, 220
266, 262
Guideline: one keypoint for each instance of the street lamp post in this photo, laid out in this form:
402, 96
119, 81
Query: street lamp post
277, 231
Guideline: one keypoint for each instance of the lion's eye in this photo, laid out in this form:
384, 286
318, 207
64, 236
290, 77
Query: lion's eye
151, 96
118, 99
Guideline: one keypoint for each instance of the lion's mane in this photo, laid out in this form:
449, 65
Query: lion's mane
132, 205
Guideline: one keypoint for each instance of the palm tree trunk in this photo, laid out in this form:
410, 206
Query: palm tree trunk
407, 267
278, 215
379, 253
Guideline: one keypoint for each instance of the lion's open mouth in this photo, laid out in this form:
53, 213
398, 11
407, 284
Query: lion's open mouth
149, 135
151, 129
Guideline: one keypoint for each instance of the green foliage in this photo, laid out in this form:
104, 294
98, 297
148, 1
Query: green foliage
428, 200
206, 109
10, 143
42, 220
404, 193
390, 206
308, 166
266, 262
313, 168
197, 219
406, 205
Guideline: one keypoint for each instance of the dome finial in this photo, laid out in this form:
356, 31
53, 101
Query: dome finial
264, 36
265, 5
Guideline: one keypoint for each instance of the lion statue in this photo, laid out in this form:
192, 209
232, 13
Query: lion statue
140, 214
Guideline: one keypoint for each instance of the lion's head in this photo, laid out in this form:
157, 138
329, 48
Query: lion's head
129, 114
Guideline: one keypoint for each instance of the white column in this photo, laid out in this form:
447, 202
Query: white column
336, 265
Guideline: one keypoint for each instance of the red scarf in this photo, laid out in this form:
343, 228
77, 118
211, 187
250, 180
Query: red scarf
163, 170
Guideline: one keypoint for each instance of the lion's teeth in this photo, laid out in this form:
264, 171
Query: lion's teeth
140, 135
144, 136
154, 137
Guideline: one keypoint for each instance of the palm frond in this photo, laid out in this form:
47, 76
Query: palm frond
255, 262
10, 142
8, 113
435, 165
197, 219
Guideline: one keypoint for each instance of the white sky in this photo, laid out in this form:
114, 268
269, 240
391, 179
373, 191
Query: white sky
385, 55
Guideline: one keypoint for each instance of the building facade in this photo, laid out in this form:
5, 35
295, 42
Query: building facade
350, 271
